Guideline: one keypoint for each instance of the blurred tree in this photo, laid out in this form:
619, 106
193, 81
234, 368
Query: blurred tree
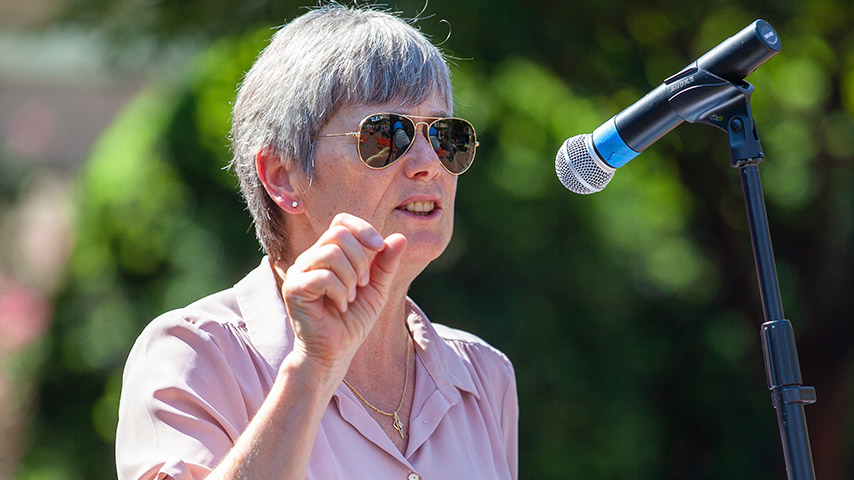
631, 315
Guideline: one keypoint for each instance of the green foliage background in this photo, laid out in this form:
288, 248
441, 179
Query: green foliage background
632, 315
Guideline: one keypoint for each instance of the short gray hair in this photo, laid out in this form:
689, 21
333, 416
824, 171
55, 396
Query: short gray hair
329, 58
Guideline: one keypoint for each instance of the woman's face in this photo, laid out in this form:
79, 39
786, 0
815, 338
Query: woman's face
413, 196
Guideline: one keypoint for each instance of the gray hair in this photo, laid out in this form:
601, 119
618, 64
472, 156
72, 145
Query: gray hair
329, 58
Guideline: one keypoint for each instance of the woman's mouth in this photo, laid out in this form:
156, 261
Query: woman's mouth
420, 208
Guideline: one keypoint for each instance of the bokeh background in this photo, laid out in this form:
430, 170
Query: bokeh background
632, 315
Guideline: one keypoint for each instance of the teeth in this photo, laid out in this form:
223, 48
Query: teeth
420, 207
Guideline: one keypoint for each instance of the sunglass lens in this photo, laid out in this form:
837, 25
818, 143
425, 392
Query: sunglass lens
454, 141
383, 138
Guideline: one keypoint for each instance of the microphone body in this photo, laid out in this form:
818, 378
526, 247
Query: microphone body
682, 97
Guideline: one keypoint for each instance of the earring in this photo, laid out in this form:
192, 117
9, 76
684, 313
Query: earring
294, 204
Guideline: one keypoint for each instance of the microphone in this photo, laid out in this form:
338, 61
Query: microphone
586, 163
399, 137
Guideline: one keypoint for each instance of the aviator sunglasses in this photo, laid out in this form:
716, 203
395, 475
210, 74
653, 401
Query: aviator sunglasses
385, 137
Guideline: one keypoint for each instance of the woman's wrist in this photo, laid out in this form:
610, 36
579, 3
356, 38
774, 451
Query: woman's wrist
311, 371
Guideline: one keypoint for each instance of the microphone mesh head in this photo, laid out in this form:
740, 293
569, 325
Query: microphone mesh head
577, 168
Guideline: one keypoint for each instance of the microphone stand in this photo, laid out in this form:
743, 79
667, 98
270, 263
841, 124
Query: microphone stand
726, 105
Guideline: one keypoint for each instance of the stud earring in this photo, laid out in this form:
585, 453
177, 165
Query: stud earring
294, 204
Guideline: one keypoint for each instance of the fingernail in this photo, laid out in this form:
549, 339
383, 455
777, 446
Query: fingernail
376, 241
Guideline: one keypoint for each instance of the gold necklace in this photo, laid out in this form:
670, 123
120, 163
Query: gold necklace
398, 425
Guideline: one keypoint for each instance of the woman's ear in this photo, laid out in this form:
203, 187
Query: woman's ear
275, 175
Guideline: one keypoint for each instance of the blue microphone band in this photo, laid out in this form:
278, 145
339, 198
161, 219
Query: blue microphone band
611, 146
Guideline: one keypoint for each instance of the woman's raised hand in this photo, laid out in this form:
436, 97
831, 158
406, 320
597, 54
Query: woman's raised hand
335, 290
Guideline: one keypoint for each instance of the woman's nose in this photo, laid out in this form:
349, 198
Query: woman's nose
422, 160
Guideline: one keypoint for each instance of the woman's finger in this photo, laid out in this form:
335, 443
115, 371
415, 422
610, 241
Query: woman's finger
387, 261
363, 231
356, 254
332, 257
314, 285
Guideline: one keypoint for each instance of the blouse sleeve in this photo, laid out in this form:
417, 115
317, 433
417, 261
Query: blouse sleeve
510, 422
183, 401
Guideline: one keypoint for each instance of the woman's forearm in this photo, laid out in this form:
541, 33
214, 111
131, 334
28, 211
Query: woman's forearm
278, 441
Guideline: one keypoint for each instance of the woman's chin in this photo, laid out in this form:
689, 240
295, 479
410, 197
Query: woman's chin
424, 247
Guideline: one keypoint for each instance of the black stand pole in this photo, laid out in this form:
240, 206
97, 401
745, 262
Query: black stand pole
732, 115
778, 339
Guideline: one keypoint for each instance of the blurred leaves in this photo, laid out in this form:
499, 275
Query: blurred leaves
631, 315
160, 224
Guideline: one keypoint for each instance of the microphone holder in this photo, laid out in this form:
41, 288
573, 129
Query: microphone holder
726, 106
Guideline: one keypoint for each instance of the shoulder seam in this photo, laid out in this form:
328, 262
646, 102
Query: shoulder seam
479, 343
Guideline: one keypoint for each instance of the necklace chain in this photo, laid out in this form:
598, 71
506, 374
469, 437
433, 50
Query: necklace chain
398, 425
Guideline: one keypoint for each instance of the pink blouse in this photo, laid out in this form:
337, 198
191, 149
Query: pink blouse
196, 376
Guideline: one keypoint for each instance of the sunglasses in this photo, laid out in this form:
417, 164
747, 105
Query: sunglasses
385, 137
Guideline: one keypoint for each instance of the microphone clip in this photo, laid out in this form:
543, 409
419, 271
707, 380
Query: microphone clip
725, 105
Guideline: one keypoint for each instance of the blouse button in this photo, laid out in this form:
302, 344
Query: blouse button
413, 476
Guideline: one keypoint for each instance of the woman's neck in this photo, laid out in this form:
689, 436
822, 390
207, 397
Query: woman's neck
384, 350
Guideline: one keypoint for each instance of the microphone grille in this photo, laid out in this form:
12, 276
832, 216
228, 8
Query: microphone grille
577, 168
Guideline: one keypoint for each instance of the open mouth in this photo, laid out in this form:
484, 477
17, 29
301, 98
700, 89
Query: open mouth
420, 208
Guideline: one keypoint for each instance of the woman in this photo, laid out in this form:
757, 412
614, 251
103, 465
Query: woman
317, 365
